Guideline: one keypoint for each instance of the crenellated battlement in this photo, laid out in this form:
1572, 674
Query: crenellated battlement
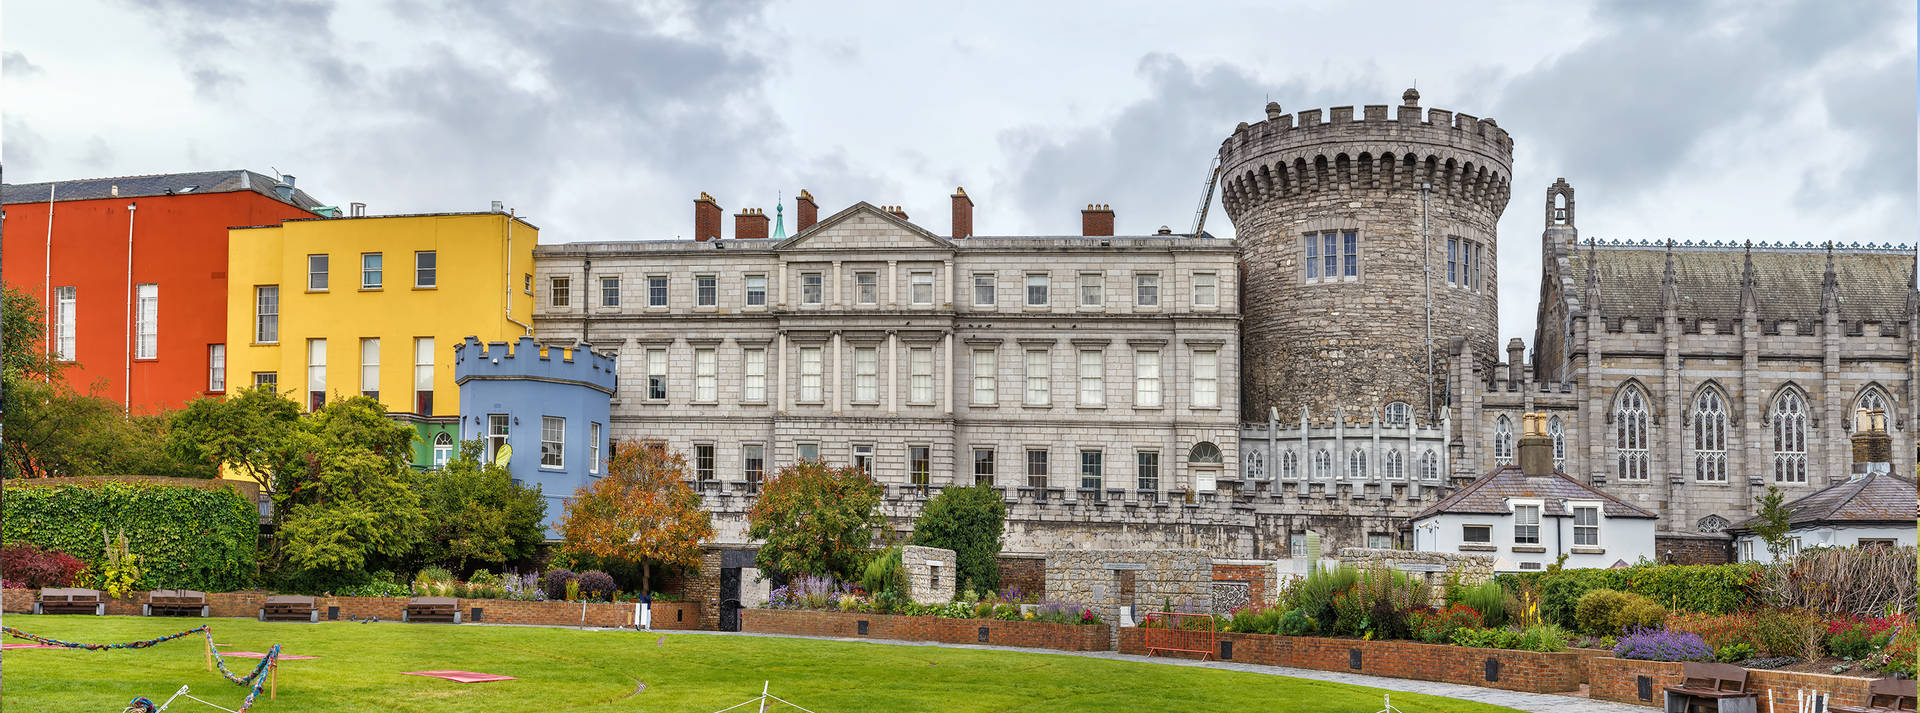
529, 359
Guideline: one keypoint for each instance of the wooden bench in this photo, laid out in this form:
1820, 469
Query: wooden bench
444, 610
176, 602
70, 600
290, 608
1887, 695
1711, 687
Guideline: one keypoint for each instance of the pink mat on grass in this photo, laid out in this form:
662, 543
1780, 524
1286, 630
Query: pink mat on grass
29, 646
258, 655
460, 676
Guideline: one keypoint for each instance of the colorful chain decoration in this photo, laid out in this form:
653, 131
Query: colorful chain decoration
18, 634
258, 677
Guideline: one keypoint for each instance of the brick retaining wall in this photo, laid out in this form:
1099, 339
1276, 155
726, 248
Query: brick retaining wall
1028, 573
1529, 671
246, 605
1029, 634
1618, 680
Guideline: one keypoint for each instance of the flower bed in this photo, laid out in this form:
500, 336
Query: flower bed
666, 615
1640, 683
1531, 671
1029, 634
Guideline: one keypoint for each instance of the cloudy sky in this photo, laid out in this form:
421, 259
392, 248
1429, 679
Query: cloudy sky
603, 120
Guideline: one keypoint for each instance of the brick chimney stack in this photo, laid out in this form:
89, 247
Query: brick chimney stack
750, 224
1536, 447
706, 218
1097, 219
1872, 446
962, 214
897, 211
806, 212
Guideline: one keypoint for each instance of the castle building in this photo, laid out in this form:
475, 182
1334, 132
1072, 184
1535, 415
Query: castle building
541, 411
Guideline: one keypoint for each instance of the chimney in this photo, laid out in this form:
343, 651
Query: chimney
1872, 447
706, 218
750, 224
1536, 447
962, 214
1164, 230
806, 212
897, 211
284, 189
1516, 350
356, 209
1097, 219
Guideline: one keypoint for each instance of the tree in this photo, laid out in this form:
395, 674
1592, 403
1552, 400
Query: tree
475, 512
643, 511
816, 520
1772, 523
968, 521
23, 354
53, 431
347, 492
251, 434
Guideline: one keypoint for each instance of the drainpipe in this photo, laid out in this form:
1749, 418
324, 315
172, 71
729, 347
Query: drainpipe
127, 382
507, 294
46, 278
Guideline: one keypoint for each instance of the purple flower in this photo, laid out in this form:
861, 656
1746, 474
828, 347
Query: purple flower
1662, 645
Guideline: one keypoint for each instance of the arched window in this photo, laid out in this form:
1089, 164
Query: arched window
1790, 438
1870, 398
1712, 523
1398, 413
1204, 453
1503, 441
1710, 437
1396, 465
1630, 434
1429, 466
442, 449
1289, 465
1558, 431
1322, 464
1357, 464
1256, 464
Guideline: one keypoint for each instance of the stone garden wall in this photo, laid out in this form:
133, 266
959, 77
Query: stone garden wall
1431, 567
930, 574
1106, 580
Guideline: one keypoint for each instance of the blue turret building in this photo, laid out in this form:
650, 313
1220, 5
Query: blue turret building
542, 411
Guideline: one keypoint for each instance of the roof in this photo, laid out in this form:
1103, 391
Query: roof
160, 184
1488, 495
1872, 282
1875, 497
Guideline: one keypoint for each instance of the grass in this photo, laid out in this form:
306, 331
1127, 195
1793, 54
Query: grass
574, 670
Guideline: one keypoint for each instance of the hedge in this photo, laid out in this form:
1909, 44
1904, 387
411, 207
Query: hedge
187, 538
1712, 589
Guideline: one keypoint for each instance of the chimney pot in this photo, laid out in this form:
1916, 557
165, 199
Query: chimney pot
1535, 447
805, 211
962, 214
706, 218
750, 224
1096, 220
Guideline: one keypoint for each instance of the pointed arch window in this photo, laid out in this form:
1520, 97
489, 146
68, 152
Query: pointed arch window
1256, 464
1429, 466
1398, 413
1790, 438
1630, 435
1710, 437
1322, 464
1357, 464
1503, 441
1396, 465
1870, 398
1289, 465
1558, 431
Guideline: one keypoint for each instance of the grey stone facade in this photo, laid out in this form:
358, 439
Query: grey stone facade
1145, 579
930, 573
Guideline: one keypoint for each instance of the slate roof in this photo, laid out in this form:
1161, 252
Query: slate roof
1488, 495
1873, 498
1873, 283
153, 185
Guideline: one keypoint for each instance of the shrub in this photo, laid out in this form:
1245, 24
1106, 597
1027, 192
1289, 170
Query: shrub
1734, 653
1897, 655
596, 584
28, 566
1438, 627
1253, 619
968, 521
1718, 630
433, 574
1662, 645
886, 576
1852, 643
1543, 637
1489, 599
1778, 632
1313, 595
187, 538
1487, 638
1605, 611
1711, 589
483, 577
1297, 623
1862, 581
554, 583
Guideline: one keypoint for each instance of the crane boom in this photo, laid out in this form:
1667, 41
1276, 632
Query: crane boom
1206, 197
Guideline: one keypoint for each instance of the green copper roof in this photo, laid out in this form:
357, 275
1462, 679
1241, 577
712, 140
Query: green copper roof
779, 222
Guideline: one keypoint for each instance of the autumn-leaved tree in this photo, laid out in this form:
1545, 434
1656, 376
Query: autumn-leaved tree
816, 519
643, 511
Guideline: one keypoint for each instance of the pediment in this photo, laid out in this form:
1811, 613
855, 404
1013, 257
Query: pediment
864, 227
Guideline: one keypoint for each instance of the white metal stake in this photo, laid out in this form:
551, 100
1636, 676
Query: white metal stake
763, 696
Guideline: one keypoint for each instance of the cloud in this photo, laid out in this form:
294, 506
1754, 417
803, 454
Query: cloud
18, 66
24, 149
1874, 104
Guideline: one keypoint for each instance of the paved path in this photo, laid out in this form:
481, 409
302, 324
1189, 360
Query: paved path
1533, 702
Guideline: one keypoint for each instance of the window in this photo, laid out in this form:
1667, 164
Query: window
216, 367
811, 290
609, 292
1586, 526
266, 316
1397, 413
703, 465
1526, 524
316, 374
1746, 550
1039, 391
66, 309
1790, 438
983, 466
863, 459
754, 384
553, 442
1146, 378
753, 464
810, 375
1092, 470
866, 375
1206, 379
920, 288
497, 431
1429, 466
593, 447
1710, 438
986, 389
1871, 398
706, 291
1297, 545
656, 291
442, 449
1476, 534
1357, 464
1206, 289
1146, 466
1205, 453
1558, 430
1453, 260
1475, 272
423, 375
1503, 441
1322, 464
526, 283
807, 451
1312, 243
919, 465
984, 287
1396, 465
1289, 465
1093, 289
559, 291
706, 386
426, 271
756, 290
1037, 289
372, 276
1036, 468
920, 376
268, 380
656, 374
1146, 290
866, 288
1093, 377
1630, 434
317, 273
1350, 254
370, 367
146, 321
1379, 541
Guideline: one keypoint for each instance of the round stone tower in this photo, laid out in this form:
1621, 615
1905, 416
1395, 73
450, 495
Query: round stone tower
1337, 268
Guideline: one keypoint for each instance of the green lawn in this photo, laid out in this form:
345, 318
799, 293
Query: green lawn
570, 670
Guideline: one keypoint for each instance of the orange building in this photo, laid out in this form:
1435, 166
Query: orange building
133, 274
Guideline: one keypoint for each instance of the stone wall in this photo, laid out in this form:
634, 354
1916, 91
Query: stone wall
1530, 671
1106, 580
930, 573
1625, 680
1693, 548
1429, 567
1029, 634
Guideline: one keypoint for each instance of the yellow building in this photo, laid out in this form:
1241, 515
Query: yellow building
374, 305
